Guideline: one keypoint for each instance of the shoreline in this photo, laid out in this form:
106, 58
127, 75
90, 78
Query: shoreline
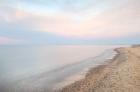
103, 77
49, 82
66, 81
81, 75
94, 70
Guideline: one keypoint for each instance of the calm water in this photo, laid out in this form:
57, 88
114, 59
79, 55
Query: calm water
22, 61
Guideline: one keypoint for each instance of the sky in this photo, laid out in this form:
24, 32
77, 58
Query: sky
72, 22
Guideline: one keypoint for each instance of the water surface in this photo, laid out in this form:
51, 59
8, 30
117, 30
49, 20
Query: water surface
22, 61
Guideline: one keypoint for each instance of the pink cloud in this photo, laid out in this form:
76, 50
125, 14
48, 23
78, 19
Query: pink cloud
7, 40
119, 22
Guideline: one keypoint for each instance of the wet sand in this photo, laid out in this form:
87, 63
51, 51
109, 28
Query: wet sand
122, 74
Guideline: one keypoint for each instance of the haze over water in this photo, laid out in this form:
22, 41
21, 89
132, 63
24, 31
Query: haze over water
23, 61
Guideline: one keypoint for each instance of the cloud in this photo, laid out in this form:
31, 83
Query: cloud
80, 21
7, 40
123, 21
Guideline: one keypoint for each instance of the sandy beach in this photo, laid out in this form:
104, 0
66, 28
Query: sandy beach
122, 74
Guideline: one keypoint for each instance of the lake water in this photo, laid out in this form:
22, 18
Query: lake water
19, 61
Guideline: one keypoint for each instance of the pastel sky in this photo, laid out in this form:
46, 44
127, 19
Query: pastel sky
69, 22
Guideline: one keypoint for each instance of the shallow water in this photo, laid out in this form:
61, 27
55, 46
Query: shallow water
19, 61
39, 66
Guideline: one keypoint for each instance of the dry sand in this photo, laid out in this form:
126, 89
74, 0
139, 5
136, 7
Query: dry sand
122, 74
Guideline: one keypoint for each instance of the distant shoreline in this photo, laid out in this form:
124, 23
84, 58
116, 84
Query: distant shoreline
111, 77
